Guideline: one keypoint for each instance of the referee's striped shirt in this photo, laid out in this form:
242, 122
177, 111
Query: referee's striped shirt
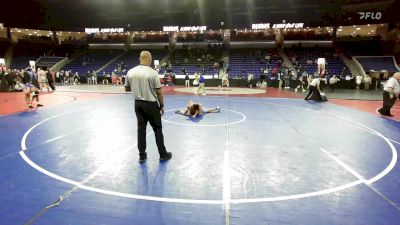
143, 82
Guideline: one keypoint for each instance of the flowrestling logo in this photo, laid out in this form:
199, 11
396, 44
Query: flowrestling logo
370, 15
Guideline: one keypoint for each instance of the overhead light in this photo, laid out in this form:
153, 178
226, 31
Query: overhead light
30, 34
340, 27
354, 25
358, 28
368, 25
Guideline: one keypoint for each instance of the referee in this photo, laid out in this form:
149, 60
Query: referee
149, 104
390, 94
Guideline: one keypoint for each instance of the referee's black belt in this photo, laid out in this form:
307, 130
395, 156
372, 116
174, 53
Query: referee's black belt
143, 101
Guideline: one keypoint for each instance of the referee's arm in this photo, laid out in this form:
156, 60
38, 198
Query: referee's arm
127, 85
160, 96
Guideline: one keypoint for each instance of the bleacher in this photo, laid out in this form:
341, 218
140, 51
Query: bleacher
131, 59
378, 63
25, 51
22, 62
92, 61
48, 61
189, 60
334, 63
251, 60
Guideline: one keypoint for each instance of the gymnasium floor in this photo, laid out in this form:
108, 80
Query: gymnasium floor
268, 157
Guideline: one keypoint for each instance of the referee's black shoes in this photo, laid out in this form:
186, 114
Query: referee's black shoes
167, 156
142, 158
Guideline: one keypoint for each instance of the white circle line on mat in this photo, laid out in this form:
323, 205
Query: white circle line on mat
200, 201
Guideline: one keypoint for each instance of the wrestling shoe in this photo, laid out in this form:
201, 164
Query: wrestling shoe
39, 105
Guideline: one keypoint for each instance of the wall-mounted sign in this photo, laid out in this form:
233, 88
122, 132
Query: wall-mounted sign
370, 15
103, 30
192, 28
288, 25
260, 26
171, 28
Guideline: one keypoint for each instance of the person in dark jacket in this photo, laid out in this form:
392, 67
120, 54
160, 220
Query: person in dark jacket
50, 80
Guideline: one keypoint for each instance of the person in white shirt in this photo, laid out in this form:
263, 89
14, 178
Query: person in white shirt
105, 78
250, 78
225, 81
314, 90
391, 92
367, 82
333, 81
42, 80
94, 77
359, 80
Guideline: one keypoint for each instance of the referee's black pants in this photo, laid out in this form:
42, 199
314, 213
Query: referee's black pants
149, 112
313, 94
387, 103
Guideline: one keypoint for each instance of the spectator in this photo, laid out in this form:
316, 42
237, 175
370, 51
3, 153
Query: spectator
359, 80
332, 82
105, 78
88, 77
367, 82
50, 80
187, 81
94, 77
76, 78
42, 80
